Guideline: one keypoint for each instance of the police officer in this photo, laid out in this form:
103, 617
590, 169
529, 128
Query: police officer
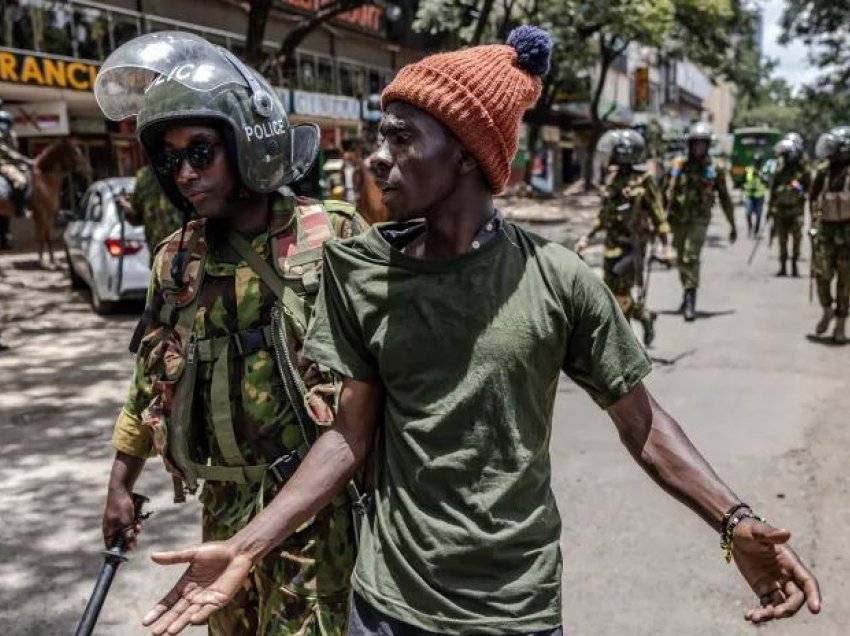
14, 168
631, 216
221, 390
788, 190
693, 184
829, 202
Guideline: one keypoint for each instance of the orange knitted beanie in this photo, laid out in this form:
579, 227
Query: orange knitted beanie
480, 94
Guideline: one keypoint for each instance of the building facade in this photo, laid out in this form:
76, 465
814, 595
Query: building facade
50, 52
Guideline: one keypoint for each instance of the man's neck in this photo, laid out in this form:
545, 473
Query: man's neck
251, 217
450, 231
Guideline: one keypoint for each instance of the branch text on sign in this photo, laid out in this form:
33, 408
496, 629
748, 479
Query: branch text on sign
42, 70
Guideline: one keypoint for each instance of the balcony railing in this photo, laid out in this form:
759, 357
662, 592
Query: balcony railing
91, 31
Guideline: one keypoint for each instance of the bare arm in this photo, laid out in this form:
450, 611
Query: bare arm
218, 569
328, 467
771, 568
663, 450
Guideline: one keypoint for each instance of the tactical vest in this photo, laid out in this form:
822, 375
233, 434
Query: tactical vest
623, 221
788, 190
834, 207
691, 194
293, 276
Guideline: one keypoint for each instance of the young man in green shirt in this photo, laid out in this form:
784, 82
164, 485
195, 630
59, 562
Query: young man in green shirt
451, 328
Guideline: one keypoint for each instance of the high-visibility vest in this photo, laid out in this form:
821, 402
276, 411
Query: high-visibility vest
754, 185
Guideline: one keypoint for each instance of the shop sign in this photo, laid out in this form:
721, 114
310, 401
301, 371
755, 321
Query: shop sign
323, 105
44, 70
40, 119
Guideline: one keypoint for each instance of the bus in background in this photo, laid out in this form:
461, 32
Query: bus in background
746, 144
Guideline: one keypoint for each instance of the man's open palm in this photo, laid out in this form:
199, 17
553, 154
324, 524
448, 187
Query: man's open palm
215, 573
774, 572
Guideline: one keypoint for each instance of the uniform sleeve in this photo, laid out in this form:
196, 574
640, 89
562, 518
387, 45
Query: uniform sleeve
129, 434
817, 186
603, 356
653, 202
723, 194
335, 337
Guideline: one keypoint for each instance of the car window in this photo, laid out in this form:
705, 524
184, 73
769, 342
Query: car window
95, 210
82, 208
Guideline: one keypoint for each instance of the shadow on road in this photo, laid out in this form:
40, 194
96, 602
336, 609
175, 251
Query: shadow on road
700, 314
824, 340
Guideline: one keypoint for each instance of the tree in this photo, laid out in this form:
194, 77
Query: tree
824, 26
258, 16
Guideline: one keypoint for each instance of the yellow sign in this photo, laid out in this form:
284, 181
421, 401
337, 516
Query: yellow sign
43, 70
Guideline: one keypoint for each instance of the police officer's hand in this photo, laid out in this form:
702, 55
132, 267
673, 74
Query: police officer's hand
733, 235
774, 572
216, 572
118, 518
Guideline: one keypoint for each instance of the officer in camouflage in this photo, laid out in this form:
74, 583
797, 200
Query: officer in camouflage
829, 202
788, 190
15, 170
221, 390
693, 184
631, 216
152, 209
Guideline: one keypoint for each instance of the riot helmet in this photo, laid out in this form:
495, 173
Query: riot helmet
788, 150
623, 147
834, 144
169, 76
7, 121
700, 131
796, 139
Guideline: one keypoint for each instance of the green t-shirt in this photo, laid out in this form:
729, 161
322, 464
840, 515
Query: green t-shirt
463, 536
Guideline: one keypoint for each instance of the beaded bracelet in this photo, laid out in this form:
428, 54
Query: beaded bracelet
728, 525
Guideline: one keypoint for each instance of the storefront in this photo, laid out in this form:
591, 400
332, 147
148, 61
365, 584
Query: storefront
338, 116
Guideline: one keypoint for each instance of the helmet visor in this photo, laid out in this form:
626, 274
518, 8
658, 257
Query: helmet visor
165, 56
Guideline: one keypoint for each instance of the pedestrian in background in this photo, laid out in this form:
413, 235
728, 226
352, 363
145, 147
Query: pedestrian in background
755, 188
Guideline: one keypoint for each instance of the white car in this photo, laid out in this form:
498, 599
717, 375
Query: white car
105, 253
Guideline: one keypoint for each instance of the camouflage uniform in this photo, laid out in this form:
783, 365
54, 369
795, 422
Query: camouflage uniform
635, 226
690, 195
787, 203
152, 208
15, 168
832, 253
303, 586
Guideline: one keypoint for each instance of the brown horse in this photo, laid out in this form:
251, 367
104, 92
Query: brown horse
50, 168
369, 203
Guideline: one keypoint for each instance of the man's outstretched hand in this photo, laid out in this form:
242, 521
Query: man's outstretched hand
774, 572
216, 572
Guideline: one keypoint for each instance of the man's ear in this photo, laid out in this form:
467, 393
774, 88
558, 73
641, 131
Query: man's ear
467, 161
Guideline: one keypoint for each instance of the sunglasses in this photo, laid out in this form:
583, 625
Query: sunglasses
199, 155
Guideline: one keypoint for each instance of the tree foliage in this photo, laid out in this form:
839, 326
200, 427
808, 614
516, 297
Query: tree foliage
824, 27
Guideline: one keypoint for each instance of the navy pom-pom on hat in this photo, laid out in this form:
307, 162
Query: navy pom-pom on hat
534, 48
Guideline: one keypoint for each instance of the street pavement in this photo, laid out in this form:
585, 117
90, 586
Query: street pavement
765, 404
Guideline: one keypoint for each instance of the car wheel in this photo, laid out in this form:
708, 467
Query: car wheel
76, 281
101, 307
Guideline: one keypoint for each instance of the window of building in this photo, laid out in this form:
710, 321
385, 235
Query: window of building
91, 33
325, 75
123, 28
351, 80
